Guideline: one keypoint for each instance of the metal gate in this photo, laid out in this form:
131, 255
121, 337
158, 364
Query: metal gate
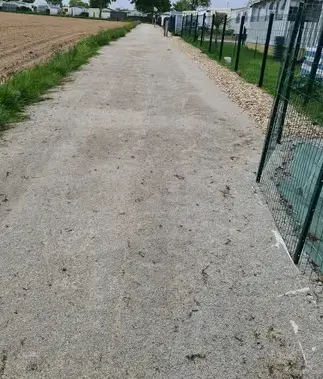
291, 167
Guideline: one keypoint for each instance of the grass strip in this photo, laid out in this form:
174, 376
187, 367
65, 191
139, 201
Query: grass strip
28, 86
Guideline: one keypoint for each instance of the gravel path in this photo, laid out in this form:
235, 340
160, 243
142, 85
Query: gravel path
133, 241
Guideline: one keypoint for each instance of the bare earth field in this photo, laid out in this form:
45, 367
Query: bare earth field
27, 40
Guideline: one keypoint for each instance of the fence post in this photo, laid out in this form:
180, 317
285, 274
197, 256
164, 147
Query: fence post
279, 93
202, 33
264, 58
309, 216
196, 27
235, 46
290, 78
223, 35
190, 29
182, 28
211, 34
166, 28
314, 67
256, 48
236, 65
185, 27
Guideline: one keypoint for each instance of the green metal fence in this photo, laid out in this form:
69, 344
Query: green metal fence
254, 48
291, 168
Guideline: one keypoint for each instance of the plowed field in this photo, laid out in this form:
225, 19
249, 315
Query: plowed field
29, 39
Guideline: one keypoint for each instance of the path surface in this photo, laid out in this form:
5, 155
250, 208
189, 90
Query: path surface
133, 241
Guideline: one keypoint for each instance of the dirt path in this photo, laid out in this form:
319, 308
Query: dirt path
133, 242
28, 39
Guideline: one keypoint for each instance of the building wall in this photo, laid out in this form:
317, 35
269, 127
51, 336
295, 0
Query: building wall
259, 19
76, 11
235, 18
95, 13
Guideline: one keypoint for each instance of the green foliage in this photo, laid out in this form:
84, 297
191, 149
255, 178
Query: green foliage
78, 3
218, 20
28, 86
100, 3
190, 5
182, 5
147, 6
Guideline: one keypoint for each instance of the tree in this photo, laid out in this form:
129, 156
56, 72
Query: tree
57, 2
99, 3
218, 20
190, 5
182, 5
78, 3
147, 6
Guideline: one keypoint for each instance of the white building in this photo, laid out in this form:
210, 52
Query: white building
76, 11
95, 13
284, 14
235, 18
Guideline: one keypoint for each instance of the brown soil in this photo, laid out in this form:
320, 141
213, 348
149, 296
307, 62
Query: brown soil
27, 40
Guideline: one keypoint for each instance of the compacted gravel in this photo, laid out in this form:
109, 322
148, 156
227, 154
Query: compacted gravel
133, 242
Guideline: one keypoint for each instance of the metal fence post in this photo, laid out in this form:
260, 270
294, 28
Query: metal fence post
223, 35
256, 48
203, 26
314, 67
182, 28
309, 216
264, 58
186, 22
290, 78
236, 65
279, 92
235, 46
166, 28
211, 34
196, 27
191, 21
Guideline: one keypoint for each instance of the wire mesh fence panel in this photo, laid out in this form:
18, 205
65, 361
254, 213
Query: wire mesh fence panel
242, 47
292, 159
206, 32
258, 32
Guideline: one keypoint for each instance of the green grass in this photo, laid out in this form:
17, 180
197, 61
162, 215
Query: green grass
27, 87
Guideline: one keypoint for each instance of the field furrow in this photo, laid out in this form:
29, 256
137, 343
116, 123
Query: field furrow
30, 39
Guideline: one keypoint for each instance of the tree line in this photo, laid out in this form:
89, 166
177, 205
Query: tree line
148, 6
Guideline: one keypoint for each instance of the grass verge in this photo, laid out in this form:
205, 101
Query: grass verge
27, 87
